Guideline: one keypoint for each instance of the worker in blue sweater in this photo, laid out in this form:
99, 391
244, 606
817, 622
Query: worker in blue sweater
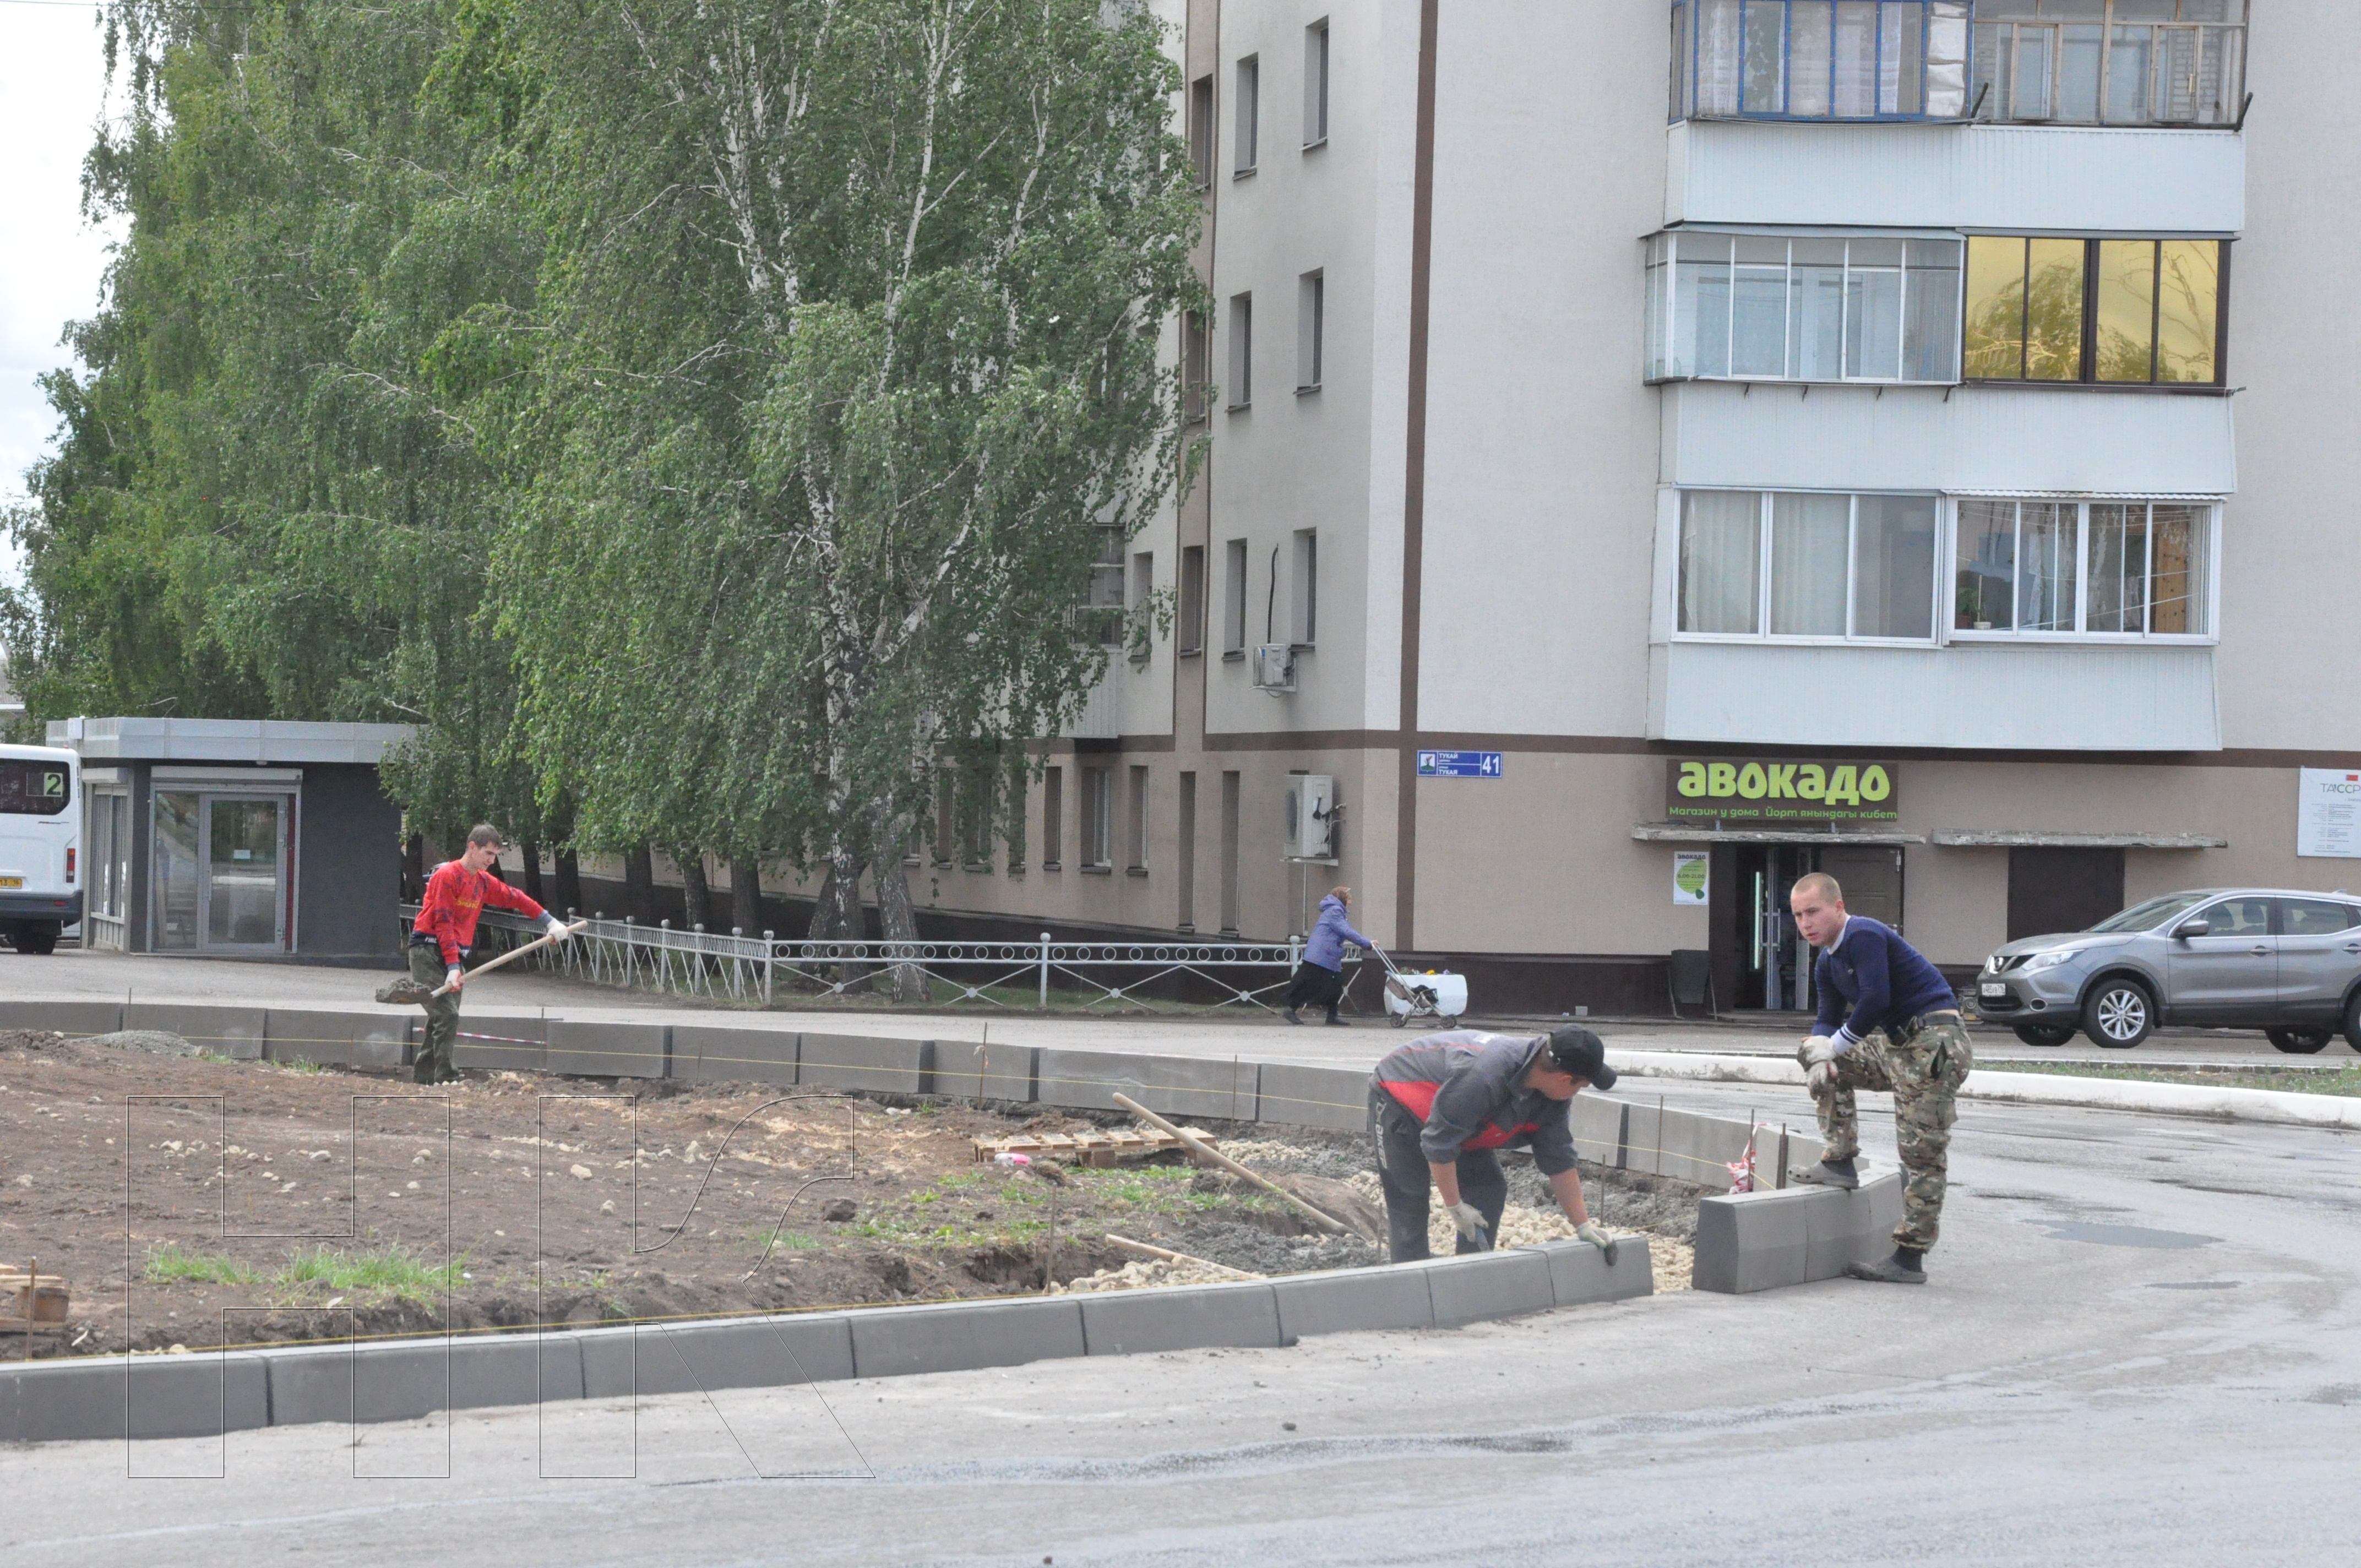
1889, 1021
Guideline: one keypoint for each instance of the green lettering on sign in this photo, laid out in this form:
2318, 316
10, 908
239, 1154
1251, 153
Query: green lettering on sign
1692, 780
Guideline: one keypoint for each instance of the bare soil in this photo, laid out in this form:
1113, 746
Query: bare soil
194, 1202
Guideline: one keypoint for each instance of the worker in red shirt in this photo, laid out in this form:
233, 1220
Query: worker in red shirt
455, 894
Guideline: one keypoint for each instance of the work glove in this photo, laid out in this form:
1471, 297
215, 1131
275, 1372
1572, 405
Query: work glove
1469, 1222
455, 977
1588, 1231
1818, 1056
559, 931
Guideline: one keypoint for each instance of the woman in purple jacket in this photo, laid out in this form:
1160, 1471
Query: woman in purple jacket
1320, 978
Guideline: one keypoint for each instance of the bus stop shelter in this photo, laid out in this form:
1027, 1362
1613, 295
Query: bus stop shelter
238, 837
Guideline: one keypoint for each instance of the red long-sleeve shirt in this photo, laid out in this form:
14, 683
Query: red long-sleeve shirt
454, 896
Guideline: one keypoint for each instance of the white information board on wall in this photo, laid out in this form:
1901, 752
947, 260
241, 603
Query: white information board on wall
2328, 813
1691, 873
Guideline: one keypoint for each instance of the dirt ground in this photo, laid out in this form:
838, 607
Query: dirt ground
193, 1201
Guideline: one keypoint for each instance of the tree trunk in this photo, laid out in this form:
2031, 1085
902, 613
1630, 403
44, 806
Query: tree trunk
413, 867
639, 885
746, 895
532, 853
837, 913
696, 898
895, 921
569, 884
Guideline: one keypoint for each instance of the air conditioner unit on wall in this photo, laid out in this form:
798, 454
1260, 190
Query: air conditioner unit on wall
1310, 817
1274, 668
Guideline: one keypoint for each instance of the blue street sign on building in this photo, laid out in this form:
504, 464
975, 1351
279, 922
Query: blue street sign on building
1460, 764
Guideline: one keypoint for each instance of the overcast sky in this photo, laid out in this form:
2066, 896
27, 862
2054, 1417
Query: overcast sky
52, 87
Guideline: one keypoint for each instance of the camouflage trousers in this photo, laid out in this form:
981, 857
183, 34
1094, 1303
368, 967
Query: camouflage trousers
1924, 1078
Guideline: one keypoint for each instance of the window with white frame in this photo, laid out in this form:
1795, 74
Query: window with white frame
1248, 103
1803, 308
2109, 61
1806, 564
1315, 83
2051, 567
1819, 59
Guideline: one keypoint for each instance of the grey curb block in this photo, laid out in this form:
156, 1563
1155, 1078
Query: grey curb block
1758, 1241
203, 1395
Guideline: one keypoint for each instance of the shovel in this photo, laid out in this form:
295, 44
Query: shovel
407, 989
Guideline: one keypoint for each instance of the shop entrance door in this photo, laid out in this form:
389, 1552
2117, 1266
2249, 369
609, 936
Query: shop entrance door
221, 865
1765, 960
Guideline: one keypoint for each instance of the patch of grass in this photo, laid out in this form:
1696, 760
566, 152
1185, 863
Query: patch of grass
393, 1270
2343, 1081
761, 1236
301, 1065
170, 1264
954, 1183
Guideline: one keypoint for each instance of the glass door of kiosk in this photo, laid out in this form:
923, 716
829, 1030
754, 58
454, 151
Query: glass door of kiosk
221, 865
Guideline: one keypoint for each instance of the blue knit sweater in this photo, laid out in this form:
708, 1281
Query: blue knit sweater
1877, 978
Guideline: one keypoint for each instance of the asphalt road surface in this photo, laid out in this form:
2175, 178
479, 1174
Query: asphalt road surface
2139, 1346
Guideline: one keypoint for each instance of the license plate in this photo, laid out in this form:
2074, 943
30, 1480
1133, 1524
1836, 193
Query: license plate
1991, 988
12, 882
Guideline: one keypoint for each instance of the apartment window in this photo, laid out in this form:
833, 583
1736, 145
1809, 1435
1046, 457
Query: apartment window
1192, 639
1773, 307
1196, 356
1230, 793
1806, 564
975, 826
1248, 97
2083, 568
1819, 59
1304, 607
1107, 603
1201, 130
1143, 592
1315, 83
1311, 326
1234, 598
1098, 827
1013, 824
946, 816
1053, 819
2126, 63
1135, 822
1241, 391
2121, 310
1184, 852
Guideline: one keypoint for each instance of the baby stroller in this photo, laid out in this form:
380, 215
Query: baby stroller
1429, 996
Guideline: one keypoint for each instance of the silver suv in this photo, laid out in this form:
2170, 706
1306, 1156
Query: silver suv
2283, 961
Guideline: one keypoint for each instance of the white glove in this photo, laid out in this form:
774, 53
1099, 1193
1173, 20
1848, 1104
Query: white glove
559, 931
1820, 1058
1469, 1222
1588, 1231
455, 977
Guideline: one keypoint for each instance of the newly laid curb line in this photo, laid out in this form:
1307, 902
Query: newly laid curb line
208, 1394
2035, 1089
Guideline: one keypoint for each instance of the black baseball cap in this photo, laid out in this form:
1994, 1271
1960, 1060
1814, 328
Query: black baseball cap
1575, 1049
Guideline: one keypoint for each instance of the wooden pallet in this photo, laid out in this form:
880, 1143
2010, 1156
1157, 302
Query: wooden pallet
1097, 1148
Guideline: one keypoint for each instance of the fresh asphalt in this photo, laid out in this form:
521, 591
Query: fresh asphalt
2139, 1345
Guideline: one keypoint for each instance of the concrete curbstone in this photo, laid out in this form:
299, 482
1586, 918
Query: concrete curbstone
1352, 1300
1853, 1227
963, 1069
509, 1042
342, 1040
879, 1065
200, 1395
1755, 1241
1132, 1323
1700, 1148
1596, 1123
235, 1032
1313, 1096
752, 1352
406, 1381
607, 1050
1580, 1274
1643, 1145
962, 1336
63, 1017
1483, 1285
1170, 1086
704, 1053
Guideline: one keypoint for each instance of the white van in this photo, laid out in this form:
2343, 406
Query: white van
40, 842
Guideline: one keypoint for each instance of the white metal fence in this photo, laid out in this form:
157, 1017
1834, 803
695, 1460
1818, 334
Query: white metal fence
1012, 975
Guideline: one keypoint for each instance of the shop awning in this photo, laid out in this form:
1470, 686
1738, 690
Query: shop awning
1697, 833
2033, 839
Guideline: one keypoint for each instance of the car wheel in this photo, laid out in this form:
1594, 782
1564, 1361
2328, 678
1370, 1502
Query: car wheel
37, 938
2300, 1042
2119, 1014
2045, 1033
2353, 1021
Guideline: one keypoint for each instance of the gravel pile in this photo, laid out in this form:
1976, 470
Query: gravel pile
1259, 1252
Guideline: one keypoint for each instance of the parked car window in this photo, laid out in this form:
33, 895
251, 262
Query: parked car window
2147, 915
2313, 918
2239, 918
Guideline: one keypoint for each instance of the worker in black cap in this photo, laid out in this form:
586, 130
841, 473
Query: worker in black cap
1440, 1104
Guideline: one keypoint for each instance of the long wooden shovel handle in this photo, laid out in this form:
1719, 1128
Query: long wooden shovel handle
1206, 1155
512, 954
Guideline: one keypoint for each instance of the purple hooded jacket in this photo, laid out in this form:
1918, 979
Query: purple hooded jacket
1326, 945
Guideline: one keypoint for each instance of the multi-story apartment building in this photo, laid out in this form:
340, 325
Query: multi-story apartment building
1789, 434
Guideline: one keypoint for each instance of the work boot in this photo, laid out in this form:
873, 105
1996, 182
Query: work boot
1291, 1017
1905, 1267
1333, 1018
1827, 1173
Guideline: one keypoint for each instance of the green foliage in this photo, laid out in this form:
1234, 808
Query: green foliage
393, 1270
172, 1264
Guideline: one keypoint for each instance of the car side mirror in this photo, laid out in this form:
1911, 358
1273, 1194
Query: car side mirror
2188, 928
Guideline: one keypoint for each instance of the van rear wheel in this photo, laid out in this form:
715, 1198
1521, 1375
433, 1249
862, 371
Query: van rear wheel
36, 938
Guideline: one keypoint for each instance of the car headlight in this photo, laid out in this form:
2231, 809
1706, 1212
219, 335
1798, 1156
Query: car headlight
1992, 964
2053, 958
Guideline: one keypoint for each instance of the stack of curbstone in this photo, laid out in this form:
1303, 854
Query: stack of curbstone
1758, 1241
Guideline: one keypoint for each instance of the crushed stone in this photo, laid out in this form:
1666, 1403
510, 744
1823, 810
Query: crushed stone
1142, 1272
1258, 1251
155, 1042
